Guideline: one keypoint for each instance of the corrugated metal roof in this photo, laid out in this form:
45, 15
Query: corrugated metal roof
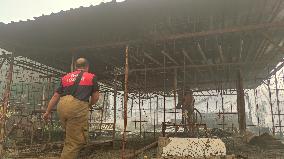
101, 33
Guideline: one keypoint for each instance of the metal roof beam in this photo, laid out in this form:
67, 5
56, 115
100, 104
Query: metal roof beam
274, 25
271, 41
202, 53
197, 66
135, 59
169, 57
152, 59
221, 53
278, 25
185, 53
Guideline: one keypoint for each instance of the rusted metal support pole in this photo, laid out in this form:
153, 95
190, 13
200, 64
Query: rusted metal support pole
4, 105
50, 125
156, 120
102, 113
278, 103
271, 107
106, 106
223, 110
132, 104
164, 96
150, 107
141, 120
125, 102
122, 107
140, 115
2, 62
175, 94
72, 63
114, 109
207, 107
257, 113
241, 103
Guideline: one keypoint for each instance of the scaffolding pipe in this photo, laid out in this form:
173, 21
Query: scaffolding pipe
6, 99
278, 103
164, 96
125, 102
271, 107
175, 95
140, 115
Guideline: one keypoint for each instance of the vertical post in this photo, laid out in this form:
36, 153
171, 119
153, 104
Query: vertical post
207, 106
2, 62
241, 103
156, 120
106, 106
164, 121
125, 102
43, 98
175, 94
150, 103
223, 110
278, 105
132, 104
114, 109
257, 111
122, 108
7, 94
271, 107
72, 63
49, 80
183, 94
140, 115
102, 113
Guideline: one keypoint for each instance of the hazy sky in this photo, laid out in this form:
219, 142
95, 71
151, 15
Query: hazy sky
15, 10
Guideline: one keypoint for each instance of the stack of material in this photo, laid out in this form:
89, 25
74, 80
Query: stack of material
220, 133
191, 147
265, 140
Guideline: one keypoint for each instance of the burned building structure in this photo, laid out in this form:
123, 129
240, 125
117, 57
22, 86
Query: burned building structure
144, 53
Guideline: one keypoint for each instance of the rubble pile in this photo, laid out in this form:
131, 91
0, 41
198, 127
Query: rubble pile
220, 133
265, 140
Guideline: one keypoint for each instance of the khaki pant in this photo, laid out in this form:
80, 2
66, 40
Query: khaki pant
73, 115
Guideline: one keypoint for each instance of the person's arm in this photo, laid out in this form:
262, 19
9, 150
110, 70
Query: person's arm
53, 101
95, 92
95, 97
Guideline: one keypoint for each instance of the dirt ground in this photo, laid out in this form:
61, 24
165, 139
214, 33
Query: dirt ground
235, 144
101, 151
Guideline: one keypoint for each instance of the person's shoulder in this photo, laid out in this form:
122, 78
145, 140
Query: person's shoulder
90, 75
70, 74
